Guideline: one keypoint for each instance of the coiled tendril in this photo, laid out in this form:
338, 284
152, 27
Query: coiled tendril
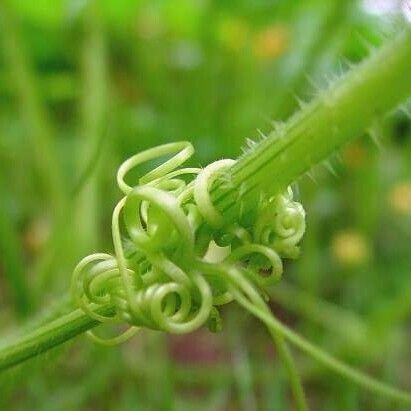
168, 273
164, 274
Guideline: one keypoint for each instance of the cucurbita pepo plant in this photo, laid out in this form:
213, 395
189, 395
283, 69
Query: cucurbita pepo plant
168, 279
164, 273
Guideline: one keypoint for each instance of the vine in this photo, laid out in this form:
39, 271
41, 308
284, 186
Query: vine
164, 274
165, 281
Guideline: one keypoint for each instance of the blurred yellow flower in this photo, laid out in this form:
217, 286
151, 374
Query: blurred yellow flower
400, 198
350, 248
234, 33
270, 42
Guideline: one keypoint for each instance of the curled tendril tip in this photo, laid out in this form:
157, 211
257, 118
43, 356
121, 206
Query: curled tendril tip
165, 273
177, 260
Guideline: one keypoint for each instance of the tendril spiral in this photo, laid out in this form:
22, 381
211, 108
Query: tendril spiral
164, 273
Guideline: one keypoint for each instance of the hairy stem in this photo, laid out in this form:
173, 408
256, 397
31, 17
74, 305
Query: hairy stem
310, 136
317, 34
335, 117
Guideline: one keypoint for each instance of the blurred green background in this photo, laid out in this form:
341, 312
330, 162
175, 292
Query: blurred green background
84, 85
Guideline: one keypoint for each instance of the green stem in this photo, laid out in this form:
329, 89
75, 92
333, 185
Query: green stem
249, 299
241, 286
339, 321
292, 373
326, 359
310, 136
76, 322
48, 336
317, 25
335, 117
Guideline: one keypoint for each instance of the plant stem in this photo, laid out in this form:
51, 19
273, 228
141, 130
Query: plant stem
317, 25
310, 136
48, 336
335, 117
292, 373
339, 321
328, 360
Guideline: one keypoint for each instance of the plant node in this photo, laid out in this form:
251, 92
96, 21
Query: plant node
163, 274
